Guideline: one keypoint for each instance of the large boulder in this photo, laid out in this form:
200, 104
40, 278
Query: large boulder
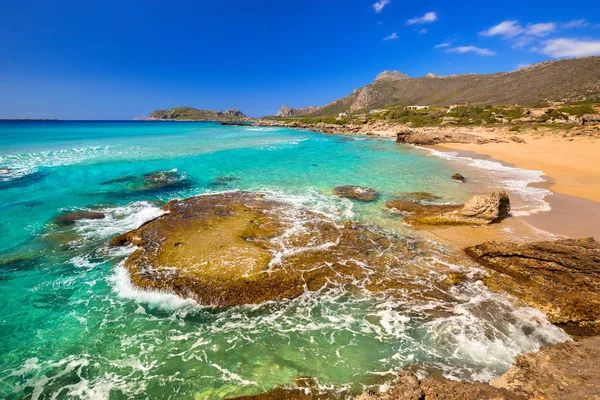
479, 210
561, 278
356, 192
242, 248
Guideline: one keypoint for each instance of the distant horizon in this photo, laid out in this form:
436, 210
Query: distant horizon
74, 61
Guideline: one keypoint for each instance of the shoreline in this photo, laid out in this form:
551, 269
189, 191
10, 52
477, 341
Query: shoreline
568, 215
567, 162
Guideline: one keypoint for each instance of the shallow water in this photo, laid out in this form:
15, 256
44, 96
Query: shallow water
73, 326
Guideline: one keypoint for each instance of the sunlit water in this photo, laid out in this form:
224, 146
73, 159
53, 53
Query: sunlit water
71, 324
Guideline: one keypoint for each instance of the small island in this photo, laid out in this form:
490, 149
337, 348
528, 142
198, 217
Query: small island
194, 114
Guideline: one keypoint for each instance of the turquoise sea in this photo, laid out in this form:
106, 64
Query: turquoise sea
72, 326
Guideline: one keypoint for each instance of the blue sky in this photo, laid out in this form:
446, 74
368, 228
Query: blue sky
120, 59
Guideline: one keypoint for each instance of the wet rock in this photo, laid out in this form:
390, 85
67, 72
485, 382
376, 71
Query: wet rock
163, 181
120, 179
416, 196
479, 210
459, 177
5, 171
561, 278
563, 371
356, 192
409, 387
242, 248
72, 217
291, 394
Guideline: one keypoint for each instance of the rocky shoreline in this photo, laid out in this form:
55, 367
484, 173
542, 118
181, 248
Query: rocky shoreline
219, 250
432, 135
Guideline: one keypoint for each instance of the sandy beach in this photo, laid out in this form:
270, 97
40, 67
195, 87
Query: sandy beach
571, 169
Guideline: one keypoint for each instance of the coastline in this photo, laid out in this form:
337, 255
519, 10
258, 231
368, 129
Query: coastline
569, 172
568, 214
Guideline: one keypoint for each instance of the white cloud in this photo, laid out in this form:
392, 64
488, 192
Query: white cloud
378, 6
471, 49
442, 45
522, 42
576, 23
563, 47
507, 29
522, 65
542, 29
422, 31
391, 37
425, 19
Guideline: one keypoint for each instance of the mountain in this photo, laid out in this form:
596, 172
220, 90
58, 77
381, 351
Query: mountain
193, 114
560, 80
287, 111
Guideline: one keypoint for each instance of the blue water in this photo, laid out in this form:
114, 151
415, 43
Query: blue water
71, 325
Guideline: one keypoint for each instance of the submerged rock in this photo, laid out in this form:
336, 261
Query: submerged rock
479, 210
161, 179
561, 278
221, 181
562, 371
72, 217
356, 192
120, 179
416, 196
241, 248
459, 177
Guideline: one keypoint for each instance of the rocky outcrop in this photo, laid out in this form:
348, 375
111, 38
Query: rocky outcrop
479, 210
590, 119
459, 177
561, 278
430, 137
562, 371
409, 387
285, 111
288, 112
242, 248
356, 192
234, 113
72, 217
391, 76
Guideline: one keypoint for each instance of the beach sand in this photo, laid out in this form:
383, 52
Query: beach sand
572, 172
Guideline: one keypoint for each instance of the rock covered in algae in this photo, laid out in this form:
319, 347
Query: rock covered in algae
72, 217
242, 248
479, 210
561, 278
356, 192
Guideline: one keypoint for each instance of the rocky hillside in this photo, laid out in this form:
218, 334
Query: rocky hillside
287, 111
562, 80
193, 114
